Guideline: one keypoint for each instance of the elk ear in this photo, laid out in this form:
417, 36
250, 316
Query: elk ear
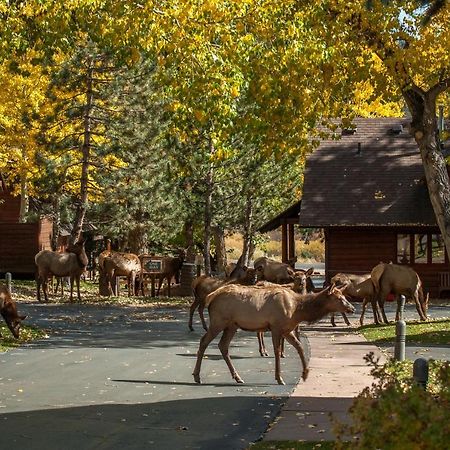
309, 272
22, 317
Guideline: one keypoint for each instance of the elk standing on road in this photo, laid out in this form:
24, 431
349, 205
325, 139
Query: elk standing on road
277, 309
203, 285
398, 280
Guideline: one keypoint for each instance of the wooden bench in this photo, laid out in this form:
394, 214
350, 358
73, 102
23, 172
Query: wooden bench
444, 282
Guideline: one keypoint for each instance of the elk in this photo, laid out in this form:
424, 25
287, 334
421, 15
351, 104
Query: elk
274, 271
302, 285
204, 285
8, 310
277, 309
398, 280
354, 286
72, 263
171, 267
114, 264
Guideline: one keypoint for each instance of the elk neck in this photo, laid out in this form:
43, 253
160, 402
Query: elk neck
311, 307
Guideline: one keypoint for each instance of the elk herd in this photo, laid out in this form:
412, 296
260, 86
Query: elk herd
271, 296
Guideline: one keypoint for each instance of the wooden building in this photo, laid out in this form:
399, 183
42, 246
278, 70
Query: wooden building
19, 242
367, 191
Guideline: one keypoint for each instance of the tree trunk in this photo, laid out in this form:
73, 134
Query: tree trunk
209, 182
248, 232
56, 226
85, 150
221, 254
424, 128
23, 193
136, 239
189, 241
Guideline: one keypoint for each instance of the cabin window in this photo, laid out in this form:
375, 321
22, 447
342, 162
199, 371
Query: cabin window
420, 248
403, 249
437, 249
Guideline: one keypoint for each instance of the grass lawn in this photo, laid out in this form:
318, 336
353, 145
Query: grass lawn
27, 334
432, 332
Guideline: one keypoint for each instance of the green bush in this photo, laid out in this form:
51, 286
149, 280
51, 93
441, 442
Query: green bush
395, 413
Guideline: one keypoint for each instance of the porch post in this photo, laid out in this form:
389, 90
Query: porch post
291, 246
284, 242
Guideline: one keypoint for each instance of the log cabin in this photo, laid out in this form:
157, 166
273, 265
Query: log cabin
367, 191
19, 242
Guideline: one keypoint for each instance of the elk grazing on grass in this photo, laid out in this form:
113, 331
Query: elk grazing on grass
277, 309
203, 285
71, 263
8, 310
274, 271
113, 264
398, 280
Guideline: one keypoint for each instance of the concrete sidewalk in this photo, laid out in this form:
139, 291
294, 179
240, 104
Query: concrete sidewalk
338, 373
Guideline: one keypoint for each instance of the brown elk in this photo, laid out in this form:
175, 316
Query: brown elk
8, 310
348, 282
274, 271
171, 267
114, 264
277, 309
71, 263
302, 284
204, 285
399, 280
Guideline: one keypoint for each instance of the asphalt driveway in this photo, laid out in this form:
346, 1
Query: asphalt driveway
120, 377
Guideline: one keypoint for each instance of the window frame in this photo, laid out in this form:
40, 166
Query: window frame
412, 250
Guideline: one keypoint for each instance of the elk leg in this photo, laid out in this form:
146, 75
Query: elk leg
380, 302
45, 288
262, 347
291, 338
72, 279
202, 317
347, 322
419, 308
204, 342
333, 321
192, 309
276, 340
363, 311
224, 345
159, 285
78, 288
38, 287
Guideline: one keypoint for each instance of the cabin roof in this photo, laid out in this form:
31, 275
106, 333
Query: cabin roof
289, 213
371, 177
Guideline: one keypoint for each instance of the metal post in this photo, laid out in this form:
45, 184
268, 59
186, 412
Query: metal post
400, 332
420, 372
8, 278
401, 306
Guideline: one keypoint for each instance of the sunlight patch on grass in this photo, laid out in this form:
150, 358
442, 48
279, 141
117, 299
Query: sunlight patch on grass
434, 331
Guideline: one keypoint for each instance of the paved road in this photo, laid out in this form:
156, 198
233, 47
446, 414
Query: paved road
120, 377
